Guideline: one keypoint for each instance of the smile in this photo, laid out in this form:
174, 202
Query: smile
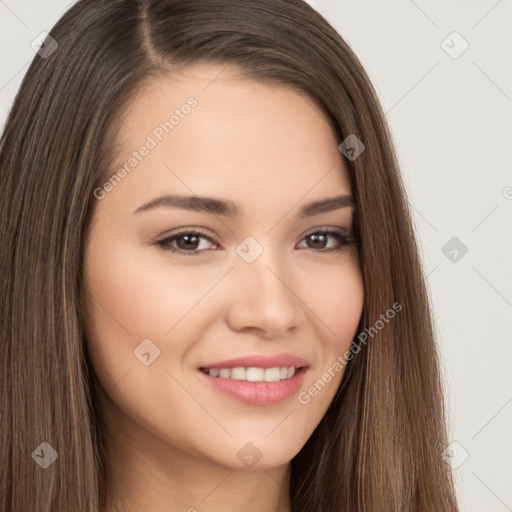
257, 391
252, 374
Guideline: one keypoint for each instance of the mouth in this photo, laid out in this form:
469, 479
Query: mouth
255, 386
253, 374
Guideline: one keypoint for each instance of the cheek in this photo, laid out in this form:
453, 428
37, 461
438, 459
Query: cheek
125, 303
140, 297
337, 301
336, 297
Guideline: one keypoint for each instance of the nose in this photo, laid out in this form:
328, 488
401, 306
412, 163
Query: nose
263, 298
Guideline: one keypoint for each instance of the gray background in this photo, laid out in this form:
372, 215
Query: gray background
451, 122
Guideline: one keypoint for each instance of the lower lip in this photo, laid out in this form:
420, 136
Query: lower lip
258, 393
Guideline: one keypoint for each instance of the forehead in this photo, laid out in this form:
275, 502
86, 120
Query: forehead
212, 131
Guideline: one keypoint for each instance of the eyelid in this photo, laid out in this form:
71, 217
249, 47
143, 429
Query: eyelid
186, 231
335, 229
192, 230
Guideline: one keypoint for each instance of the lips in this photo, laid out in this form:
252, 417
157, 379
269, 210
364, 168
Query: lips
254, 391
260, 361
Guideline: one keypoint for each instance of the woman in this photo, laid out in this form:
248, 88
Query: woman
212, 293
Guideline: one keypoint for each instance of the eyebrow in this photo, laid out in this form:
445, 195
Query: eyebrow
230, 209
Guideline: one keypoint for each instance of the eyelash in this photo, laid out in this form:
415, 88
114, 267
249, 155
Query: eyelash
338, 233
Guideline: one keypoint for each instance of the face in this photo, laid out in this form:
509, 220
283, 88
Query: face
174, 286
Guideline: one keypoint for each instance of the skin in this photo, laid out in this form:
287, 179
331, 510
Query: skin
172, 440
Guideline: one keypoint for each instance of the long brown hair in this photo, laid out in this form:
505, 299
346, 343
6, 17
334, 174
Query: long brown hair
379, 446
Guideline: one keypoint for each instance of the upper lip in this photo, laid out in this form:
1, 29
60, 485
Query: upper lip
260, 361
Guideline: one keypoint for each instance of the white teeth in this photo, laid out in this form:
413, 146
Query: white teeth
225, 373
238, 373
253, 374
271, 375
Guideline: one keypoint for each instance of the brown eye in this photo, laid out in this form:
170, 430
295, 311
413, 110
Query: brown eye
319, 240
186, 242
